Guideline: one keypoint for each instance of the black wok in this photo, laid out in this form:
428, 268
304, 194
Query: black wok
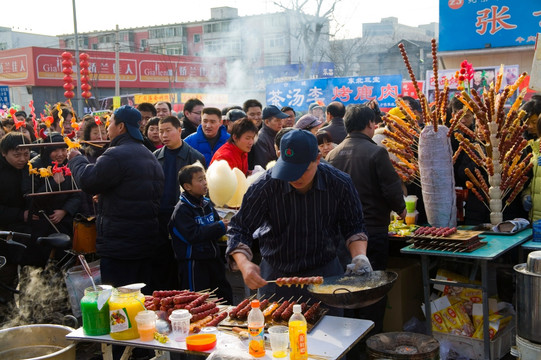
377, 284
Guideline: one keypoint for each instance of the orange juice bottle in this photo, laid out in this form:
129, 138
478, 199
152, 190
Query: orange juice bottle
297, 335
256, 328
124, 305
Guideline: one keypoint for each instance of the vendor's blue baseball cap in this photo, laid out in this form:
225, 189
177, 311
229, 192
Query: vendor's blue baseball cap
131, 117
298, 148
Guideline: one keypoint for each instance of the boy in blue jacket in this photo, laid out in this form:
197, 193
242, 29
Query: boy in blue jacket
195, 228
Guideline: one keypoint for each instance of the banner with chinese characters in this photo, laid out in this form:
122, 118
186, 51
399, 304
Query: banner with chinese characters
482, 77
479, 24
348, 90
291, 72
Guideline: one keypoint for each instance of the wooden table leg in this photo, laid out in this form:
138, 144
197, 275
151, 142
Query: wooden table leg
127, 353
107, 351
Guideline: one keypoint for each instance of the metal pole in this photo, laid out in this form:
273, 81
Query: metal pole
79, 97
117, 62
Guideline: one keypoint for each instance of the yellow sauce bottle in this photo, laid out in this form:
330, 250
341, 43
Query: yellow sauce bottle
124, 305
297, 335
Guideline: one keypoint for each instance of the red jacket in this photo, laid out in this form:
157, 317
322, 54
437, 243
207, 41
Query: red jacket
235, 157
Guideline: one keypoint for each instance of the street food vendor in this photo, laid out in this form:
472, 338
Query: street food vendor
299, 208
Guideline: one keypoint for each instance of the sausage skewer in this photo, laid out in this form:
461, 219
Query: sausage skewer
289, 281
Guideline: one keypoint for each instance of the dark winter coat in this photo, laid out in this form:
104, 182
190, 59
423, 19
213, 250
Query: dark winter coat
129, 181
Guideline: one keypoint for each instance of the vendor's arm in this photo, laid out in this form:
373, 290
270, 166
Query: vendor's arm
251, 273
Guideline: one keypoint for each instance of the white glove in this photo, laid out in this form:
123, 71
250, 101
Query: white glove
359, 265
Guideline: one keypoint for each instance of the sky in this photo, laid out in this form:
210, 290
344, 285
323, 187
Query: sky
56, 17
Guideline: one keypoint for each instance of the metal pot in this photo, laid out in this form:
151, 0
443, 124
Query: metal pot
529, 298
41, 341
377, 284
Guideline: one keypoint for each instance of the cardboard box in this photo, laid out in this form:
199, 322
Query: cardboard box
405, 298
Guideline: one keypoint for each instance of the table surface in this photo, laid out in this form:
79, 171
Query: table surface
331, 338
496, 246
532, 245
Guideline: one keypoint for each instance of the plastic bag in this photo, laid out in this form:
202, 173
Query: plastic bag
77, 281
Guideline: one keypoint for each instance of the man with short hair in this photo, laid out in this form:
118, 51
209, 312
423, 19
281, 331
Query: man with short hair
147, 111
301, 207
335, 114
253, 110
317, 109
210, 135
263, 149
173, 156
129, 181
378, 186
163, 109
289, 121
192, 117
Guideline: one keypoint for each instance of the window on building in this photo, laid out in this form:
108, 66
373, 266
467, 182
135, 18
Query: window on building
3, 45
196, 38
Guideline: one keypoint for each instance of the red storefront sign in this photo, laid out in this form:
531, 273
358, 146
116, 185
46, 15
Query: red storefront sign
409, 90
43, 67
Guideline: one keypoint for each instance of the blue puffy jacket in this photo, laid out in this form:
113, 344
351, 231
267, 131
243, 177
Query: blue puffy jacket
200, 143
129, 181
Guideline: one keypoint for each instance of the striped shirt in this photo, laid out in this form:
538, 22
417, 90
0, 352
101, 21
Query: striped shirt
298, 232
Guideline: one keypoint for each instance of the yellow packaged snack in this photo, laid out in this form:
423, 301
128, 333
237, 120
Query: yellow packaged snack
496, 323
473, 295
438, 323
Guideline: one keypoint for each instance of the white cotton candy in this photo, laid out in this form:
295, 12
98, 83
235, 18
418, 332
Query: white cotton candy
242, 186
222, 182
437, 177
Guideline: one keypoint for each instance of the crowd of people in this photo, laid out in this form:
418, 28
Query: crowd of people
321, 207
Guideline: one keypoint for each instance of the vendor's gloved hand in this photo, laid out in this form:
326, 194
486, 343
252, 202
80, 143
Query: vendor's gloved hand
359, 265
527, 202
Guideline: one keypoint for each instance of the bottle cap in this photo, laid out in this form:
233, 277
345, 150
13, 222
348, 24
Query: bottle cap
297, 308
255, 303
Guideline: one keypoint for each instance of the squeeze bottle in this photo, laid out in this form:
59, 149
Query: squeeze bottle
297, 335
256, 328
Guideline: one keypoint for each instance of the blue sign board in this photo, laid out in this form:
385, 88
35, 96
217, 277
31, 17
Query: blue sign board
479, 24
4, 96
276, 74
348, 90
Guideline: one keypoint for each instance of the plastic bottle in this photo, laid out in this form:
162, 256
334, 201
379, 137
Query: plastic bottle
256, 328
297, 335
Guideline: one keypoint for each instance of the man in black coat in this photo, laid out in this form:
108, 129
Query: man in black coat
129, 181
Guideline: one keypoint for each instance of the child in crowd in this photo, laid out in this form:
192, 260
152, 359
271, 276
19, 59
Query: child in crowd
195, 228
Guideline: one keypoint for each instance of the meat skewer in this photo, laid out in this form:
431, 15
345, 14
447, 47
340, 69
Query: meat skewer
289, 281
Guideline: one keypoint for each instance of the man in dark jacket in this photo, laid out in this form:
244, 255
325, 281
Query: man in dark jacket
129, 181
192, 116
335, 114
378, 185
263, 148
173, 156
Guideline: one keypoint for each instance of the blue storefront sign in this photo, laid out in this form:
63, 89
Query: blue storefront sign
4, 96
348, 90
479, 24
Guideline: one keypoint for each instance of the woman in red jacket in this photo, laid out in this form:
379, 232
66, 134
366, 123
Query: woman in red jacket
235, 150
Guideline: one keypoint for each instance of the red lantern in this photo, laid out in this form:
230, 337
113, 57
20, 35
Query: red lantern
84, 64
85, 87
83, 56
85, 72
84, 79
86, 94
67, 71
67, 79
66, 55
69, 94
68, 86
67, 63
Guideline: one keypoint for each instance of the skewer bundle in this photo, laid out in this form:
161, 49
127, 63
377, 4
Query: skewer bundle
425, 155
502, 145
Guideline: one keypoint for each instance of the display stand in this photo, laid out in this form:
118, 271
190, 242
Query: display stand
496, 246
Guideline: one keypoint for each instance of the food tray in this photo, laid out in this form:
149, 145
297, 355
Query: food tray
228, 322
450, 247
460, 235
487, 229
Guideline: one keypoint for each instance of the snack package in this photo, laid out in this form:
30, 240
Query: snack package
496, 323
477, 311
450, 276
438, 324
473, 295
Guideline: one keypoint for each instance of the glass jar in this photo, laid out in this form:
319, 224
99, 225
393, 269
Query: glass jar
124, 305
95, 321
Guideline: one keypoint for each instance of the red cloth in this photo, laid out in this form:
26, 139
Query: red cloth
235, 157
